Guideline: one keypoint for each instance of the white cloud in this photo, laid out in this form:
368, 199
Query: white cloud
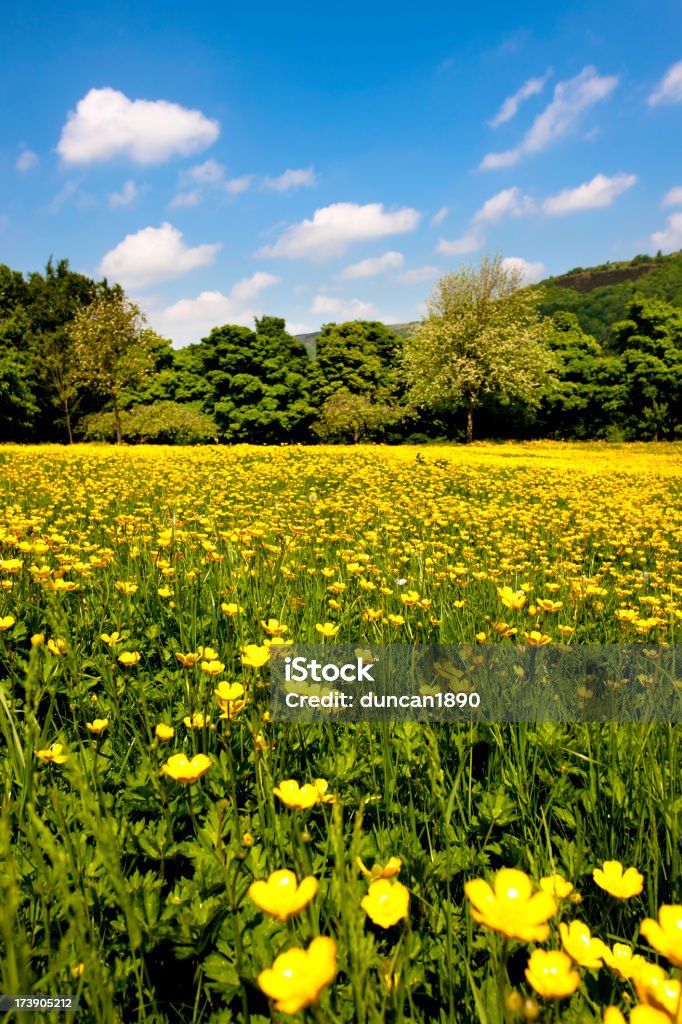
508, 110
373, 266
152, 255
334, 228
669, 88
191, 198
470, 241
249, 287
439, 217
530, 271
68, 189
235, 186
571, 99
418, 275
189, 320
106, 124
301, 178
26, 160
671, 238
127, 194
508, 203
673, 197
343, 309
600, 191
207, 173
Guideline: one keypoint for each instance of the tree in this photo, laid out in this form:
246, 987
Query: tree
482, 336
349, 417
161, 422
113, 348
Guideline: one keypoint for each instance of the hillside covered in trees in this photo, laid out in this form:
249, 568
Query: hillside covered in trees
79, 362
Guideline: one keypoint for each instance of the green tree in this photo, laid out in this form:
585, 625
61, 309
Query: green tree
482, 336
17, 403
362, 356
161, 422
112, 349
348, 417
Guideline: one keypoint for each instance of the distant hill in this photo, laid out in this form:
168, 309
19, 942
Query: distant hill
597, 295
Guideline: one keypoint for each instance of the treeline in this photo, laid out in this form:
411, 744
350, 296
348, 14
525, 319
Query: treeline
78, 361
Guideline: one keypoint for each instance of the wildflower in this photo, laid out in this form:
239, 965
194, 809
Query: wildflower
619, 883
207, 653
282, 896
511, 908
212, 668
126, 588
7, 622
164, 592
537, 639
182, 769
481, 637
612, 1015
514, 599
111, 638
327, 629
53, 754
273, 627
295, 796
386, 902
322, 786
187, 660
390, 869
77, 970
232, 609
164, 732
658, 991
409, 598
396, 620
56, 647
298, 976
228, 693
557, 886
585, 950
37, 640
666, 934
98, 726
255, 656
552, 974
548, 605
129, 658
248, 841
198, 720
622, 960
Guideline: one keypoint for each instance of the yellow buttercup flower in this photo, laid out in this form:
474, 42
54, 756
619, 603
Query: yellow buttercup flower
255, 656
7, 622
273, 627
228, 693
180, 768
56, 647
619, 883
53, 754
164, 732
585, 950
511, 907
212, 668
537, 639
126, 588
665, 935
111, 638
327, 629
552, 974
556, 886
612, 1015
98, 726
187, 660
37, 640
621, 959
390, 869
198, 720
295, 796
386, 902
298, 977
659, 991
232, 609
129, 658
281, 895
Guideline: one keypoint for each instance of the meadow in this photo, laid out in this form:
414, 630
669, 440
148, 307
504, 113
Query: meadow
169, 854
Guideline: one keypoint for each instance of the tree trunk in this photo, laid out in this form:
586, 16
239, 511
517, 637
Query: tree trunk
470, 422
68, 420
117, 418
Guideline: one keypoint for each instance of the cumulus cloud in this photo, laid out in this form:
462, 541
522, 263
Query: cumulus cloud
439, 217
671, 237
209, 175
300, 178
600, 191
418, 275
509, 108
107, 124
343, 309
332, 229
669, 88
235, 186
373, 266
191, 198
673, 197
128, 193
26, 160
530, 271
470, 241
152, 255
189, 320
509, 203
571, 100
249, 287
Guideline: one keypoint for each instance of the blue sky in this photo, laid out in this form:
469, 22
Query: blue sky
329, 162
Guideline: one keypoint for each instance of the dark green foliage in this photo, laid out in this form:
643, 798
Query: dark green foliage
158, 423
